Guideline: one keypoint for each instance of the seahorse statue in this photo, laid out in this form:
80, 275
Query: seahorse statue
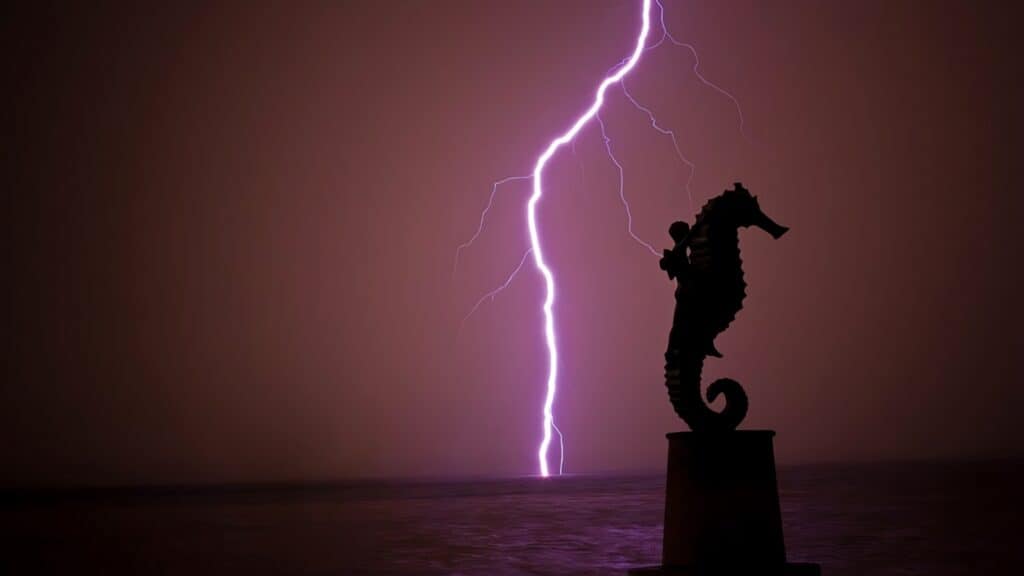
710, 291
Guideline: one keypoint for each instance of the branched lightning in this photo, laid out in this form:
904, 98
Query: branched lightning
666, 35
490, 295
561, 449
670, 134
614, 75
622, 192
480, 226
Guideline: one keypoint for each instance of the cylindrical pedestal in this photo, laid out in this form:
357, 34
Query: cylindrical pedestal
722, 500
722, 511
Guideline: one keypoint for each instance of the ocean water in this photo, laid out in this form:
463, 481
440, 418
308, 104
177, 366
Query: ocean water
865, 519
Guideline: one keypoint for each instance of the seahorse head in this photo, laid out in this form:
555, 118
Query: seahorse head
743, 211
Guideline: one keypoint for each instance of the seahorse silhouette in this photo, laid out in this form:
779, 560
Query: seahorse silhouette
710, 291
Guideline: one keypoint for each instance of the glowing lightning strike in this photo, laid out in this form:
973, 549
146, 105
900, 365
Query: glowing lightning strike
535, 244
616, 74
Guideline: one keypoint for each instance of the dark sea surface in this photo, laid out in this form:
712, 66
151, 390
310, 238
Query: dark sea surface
892, 518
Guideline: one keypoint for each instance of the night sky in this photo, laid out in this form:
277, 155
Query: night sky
231, 232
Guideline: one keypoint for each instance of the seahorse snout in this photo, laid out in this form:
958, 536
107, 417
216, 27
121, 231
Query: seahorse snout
770, 226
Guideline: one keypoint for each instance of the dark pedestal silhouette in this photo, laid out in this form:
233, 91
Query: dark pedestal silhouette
722, 507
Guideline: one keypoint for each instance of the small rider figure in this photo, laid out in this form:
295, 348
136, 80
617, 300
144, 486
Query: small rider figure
674, 262
677, 265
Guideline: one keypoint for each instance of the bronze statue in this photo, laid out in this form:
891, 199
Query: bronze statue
709, 293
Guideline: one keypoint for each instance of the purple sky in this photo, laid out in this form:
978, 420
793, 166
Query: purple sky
231, 232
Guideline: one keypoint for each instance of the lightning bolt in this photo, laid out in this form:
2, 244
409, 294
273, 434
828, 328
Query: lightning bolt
535, 243
615, 75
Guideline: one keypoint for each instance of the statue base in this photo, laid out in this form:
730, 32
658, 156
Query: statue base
722, 511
